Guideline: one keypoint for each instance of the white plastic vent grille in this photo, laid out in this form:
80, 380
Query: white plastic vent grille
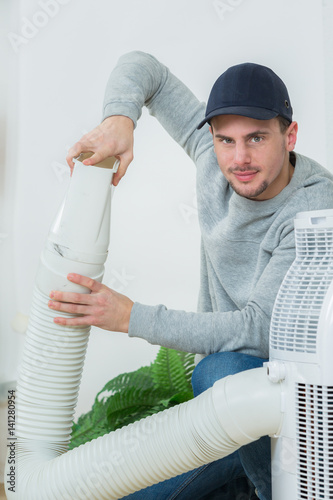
314, 435
299, 301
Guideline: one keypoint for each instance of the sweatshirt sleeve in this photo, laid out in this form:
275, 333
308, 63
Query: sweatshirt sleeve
245, 330
138, 80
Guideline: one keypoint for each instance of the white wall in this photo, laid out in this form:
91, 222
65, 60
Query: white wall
9, 349
64, 51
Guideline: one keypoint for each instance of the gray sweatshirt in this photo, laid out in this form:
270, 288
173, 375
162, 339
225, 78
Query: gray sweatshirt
246, 246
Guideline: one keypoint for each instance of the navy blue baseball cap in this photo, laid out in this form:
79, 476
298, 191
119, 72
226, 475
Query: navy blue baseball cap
250, 90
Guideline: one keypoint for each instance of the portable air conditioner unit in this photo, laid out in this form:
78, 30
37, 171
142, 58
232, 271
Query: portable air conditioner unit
301, 354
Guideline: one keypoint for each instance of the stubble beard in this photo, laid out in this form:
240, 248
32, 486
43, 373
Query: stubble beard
258, 191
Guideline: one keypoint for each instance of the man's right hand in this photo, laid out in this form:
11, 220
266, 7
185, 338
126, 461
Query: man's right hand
113, 137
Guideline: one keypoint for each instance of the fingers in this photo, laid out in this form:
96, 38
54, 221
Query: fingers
76, 303
71, 303
74, 152
67, 307
99, 155
113, 137
77, 321
77, 298
125, 160
91, 284
91, 141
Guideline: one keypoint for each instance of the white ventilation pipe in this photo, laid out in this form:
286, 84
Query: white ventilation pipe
235, 411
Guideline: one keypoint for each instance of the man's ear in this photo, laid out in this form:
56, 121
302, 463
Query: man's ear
291, 136
210, 129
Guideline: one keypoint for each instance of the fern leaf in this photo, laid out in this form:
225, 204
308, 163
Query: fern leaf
133, 402
135, 395
139, 378
168, 371
89, 426
188, 363
180, 397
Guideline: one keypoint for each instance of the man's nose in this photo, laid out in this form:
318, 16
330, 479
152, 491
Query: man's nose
241, 155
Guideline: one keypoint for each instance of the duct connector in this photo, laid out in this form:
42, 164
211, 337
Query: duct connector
79, 236
237, 410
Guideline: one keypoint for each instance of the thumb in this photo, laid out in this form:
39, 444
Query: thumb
123, 166
96, 158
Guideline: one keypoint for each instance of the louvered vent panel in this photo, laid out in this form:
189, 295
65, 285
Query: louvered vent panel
314, 434
299, 301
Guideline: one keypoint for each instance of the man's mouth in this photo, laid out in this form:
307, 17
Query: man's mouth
246, 176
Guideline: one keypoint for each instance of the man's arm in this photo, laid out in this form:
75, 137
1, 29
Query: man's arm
140, 80
245, 330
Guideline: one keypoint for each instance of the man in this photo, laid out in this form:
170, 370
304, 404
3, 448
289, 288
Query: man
250, 185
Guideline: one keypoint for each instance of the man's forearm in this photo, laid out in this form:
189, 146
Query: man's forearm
202, 333
136, 78
139, 80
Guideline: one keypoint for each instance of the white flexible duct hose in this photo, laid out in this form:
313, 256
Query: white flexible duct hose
236, 411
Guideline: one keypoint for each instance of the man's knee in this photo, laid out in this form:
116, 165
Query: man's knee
219, 365
210, 369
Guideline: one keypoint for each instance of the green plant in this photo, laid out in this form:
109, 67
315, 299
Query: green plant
135, 395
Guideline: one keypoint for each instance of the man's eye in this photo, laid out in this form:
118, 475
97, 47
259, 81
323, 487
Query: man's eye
256, 138
227, 141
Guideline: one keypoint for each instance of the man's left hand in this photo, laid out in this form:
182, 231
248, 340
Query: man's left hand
102, 307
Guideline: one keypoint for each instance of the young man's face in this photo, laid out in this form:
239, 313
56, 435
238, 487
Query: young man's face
254, 154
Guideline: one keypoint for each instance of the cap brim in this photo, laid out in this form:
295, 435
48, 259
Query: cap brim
250, 112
